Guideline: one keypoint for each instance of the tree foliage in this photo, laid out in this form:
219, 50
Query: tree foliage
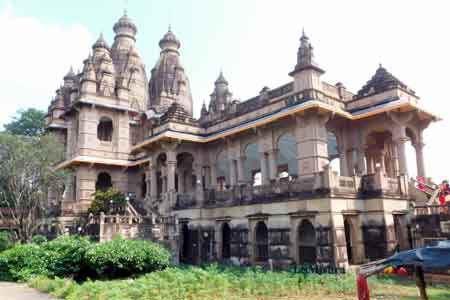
26, 175
30, 122
109, 201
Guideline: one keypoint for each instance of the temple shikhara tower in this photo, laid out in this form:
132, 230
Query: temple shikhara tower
306, 172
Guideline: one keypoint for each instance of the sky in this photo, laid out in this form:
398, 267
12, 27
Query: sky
254, 42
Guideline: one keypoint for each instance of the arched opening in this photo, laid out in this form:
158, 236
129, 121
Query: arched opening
143, 185
186, 181
105, 129
252, 163
348, 240
103, 182
186, 244
262, 242
223, 170
287, 157
333, 152
307, 243
381, 153
226, 241
257, 179
411, 153
161, 176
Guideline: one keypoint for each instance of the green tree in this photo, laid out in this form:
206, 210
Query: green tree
28, 122
109, 201
26, 175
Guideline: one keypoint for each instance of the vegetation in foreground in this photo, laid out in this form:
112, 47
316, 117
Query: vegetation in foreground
78, 258
214, 282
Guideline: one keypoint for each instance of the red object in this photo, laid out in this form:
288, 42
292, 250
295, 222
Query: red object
421, 183
442, 199
402, 271
363, 288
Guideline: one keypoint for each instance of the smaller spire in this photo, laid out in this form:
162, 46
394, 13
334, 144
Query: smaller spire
169, 41
221, 79
101, 43
70, 74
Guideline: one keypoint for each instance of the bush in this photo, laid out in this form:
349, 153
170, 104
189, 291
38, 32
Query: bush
120, 258
5, 241
22, 262
66, 255
105, 201
38, 239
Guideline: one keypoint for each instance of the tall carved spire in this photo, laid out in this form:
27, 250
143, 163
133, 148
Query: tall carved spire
305, 56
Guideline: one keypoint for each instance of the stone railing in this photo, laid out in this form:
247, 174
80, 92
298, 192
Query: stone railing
128, 226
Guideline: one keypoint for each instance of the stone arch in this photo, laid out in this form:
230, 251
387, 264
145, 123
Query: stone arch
185, 179
287, 155
104, 182
223, 169
333, 152
261, 242
105, 129
307, 243
252, 162
226, 241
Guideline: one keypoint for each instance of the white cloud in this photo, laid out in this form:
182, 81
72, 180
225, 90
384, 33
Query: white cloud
34, 57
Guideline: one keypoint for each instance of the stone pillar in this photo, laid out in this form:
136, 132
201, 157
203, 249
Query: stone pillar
233, 171
395, 160
181, 181
264, 169
343, 163
213, 171
199, 196
153, 183
148, 183
402, 165
382, 162
362, 168
420, 160
240, 170
273, 168
171, 166
311, 137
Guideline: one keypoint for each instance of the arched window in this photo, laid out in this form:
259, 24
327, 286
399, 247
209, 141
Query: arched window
306, 243
252, 163
287, 156
105, 129
143, 186
104, 182
226, 241
223, 170
262, 242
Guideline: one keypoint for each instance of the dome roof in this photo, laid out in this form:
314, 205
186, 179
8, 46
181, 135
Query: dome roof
168, 40
125, 22
70, 74
101, 43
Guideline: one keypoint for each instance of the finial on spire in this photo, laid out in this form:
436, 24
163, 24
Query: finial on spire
170, 27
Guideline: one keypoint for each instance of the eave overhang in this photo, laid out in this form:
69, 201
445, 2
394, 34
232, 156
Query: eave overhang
398, 104
92, 160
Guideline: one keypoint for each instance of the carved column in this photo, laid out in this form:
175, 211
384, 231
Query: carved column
198, 169
311, 136
240, 170
343, 163
233, 172
153, 182
383, 162
273, 168
402, 165
264, 169
181, 181
171, 166
361, 165
213, 171
419, 159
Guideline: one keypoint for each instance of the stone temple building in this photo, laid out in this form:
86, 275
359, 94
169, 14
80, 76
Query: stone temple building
251, 180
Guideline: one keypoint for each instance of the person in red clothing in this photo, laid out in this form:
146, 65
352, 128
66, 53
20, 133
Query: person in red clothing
445, 191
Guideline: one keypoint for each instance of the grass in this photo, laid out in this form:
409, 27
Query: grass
214, 282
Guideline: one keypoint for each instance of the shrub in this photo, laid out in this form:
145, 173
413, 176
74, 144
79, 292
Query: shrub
66, 255
38, 239
22, 262
120, 258
5, 241
103, 200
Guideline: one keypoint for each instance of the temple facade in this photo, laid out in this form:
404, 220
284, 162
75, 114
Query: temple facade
307, 172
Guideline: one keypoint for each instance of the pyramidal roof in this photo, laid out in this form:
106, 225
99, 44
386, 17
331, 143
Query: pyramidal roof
380, 82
